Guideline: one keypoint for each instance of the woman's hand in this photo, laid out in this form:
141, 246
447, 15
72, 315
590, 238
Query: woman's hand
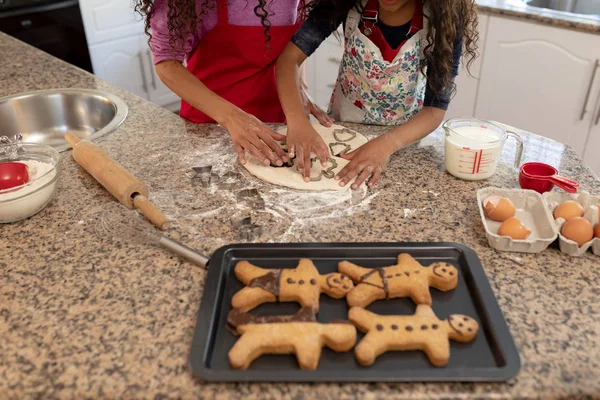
302, 139
366, 161
250, 134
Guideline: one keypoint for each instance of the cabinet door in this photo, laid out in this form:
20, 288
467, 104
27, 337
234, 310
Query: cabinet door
463, 102
322, 69
109, 19
592, 148
536, 78
158, 92
120, 62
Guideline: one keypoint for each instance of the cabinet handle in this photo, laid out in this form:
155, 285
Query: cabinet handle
597, 117
152, 74
144, 84
334, 60
587, 96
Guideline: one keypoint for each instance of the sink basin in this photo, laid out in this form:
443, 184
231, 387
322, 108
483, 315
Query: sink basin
45, 116
584, 7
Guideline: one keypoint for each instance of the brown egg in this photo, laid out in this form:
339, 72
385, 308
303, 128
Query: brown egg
568, 209
578, 230
498, 208
514, 228
597, 231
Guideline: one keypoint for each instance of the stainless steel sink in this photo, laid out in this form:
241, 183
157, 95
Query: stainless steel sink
45, 116
583, 7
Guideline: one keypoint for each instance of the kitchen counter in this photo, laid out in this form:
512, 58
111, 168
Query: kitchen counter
519, 9
84, 316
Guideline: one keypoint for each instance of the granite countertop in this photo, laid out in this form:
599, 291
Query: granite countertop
84, 316
518, 8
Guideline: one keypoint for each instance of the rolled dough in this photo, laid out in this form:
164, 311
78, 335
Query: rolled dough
290, 177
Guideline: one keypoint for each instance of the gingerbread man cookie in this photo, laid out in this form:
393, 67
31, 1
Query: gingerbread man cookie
303, 284
406, 279
421, 331
287, 335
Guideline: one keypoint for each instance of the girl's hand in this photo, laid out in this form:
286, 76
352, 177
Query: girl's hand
250, 134
301, 141
312, 109
368, 160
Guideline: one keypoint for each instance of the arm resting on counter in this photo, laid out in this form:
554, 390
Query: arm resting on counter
247, 132
422, 124
181, 81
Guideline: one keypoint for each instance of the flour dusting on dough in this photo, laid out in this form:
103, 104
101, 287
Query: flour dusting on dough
290, 177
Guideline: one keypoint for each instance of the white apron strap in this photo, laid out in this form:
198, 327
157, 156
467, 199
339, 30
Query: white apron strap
353, 19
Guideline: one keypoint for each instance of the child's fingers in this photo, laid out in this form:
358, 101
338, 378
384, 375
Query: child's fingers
350, 174
321, 149
350, 155
256, 153
291, 150
320, 115
240, 152
361, 178
306, 158
375, 177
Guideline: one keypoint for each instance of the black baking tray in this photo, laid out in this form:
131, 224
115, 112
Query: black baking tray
492, 356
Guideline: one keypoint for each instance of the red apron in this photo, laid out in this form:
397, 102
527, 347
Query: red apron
234, 62
370, 16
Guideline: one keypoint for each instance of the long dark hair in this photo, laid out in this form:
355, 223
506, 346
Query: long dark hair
448, 20
183, 18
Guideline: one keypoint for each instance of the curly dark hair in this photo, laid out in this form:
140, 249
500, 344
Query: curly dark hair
184, 18
448, 21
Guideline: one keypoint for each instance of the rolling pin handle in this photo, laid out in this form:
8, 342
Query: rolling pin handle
155, 216
72, 139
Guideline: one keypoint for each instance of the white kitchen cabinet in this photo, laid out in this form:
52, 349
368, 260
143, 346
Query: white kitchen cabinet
158, 92
109, 20
322, 69
120, 53
591, 154
536, 77
121, 63
464, 101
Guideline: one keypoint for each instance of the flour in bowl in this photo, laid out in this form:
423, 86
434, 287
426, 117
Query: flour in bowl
24, 201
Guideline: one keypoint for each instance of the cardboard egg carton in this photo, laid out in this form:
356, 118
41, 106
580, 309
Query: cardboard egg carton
590, 205
531, 210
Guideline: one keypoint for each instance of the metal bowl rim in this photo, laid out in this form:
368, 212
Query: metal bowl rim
122, 110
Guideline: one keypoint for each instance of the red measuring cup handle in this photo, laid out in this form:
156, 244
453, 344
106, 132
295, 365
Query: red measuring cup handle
566, 184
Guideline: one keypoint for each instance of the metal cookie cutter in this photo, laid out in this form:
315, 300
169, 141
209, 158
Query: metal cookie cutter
338, 132
346, 149
252, 198
204, 176
328, 173
229, 180
246, 229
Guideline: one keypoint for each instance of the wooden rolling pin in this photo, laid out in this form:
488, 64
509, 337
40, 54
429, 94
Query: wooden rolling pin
117, 180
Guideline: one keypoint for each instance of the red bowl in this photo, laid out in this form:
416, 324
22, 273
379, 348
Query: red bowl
528, 181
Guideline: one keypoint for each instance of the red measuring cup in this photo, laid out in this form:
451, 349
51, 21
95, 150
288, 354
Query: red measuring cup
13, 174
542, 178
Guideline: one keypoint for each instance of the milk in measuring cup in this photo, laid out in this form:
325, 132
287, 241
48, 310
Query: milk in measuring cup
474, 154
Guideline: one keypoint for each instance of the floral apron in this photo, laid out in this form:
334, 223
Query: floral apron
373, 91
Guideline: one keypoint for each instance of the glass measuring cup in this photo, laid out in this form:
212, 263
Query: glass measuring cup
473, 147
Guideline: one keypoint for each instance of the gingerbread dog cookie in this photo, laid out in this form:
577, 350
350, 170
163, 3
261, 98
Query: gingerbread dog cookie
421, 331
406, 279
303, 284
300, 335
